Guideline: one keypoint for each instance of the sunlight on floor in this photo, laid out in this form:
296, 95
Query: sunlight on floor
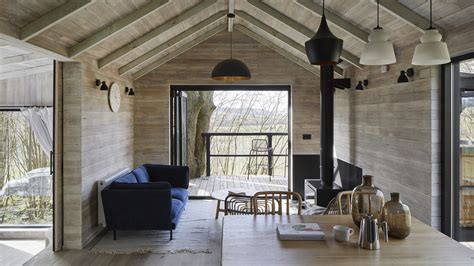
17, 252
468, 244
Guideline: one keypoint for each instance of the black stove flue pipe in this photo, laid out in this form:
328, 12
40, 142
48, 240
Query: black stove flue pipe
328, 85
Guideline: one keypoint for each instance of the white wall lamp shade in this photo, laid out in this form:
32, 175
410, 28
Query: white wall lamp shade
431, 51
378, 51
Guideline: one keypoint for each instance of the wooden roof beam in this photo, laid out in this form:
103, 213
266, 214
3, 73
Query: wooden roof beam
281, 37
173, 54
336, 20
257, 37
166, 44
52, 18
127, 48
115, 27
345, 55
24, 58
409, 16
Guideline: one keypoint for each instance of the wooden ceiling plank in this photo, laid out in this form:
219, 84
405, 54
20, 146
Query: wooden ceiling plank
143, 59
52, 18
20, 59
336, 20
115, 27
409, 16
277, 49
282, 37
127, 48
345, 55
177, 52
26, 72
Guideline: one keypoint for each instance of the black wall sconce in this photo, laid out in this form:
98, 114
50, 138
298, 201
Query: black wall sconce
103, 86
129, 91
359, 85
405, 74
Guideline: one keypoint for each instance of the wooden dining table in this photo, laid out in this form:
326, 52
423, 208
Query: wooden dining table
252, 240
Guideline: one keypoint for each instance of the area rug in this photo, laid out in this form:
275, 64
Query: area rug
197, 232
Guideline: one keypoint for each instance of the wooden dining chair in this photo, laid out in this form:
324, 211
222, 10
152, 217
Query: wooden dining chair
344, 202
340, 205
238, 205
273, 202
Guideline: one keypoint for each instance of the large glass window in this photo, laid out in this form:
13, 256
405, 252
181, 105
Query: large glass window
25, 178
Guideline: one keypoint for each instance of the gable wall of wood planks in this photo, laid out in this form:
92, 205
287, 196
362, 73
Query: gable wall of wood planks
152, 98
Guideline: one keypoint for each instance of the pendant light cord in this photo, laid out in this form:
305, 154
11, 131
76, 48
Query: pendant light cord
378, 16
431, 14
323, 8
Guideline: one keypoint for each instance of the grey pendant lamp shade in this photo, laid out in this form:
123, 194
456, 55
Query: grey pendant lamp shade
431, 50
378, 51
324, 48
231, 69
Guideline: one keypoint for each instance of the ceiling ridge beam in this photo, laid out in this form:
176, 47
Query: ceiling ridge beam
185, 47
296, 60
24, 58
166, 44
280, 36
52, 18
115, 27
406, 14
127, 48
336, 20
345, 55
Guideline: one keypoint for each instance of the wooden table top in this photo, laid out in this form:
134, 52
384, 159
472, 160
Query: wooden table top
252, 240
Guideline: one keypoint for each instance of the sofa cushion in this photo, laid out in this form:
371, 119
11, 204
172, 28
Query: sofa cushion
127, 178
177, 208
141, 174
180, 194
155, 185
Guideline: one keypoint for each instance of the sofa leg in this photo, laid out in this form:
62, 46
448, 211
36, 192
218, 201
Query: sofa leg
171, 234
115, 235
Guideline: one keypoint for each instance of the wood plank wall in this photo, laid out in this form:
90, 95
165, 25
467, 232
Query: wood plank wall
194, 67
97, 144
36, 89
107, 139
391, 131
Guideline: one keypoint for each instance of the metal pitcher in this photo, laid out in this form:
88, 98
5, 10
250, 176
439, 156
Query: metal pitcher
369, 232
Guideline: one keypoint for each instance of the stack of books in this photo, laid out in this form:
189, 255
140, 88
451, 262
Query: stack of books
299, 231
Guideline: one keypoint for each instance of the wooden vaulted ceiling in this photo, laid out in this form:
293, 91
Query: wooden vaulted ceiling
133, 37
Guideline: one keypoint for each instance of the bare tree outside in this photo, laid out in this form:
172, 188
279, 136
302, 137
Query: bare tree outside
24, 174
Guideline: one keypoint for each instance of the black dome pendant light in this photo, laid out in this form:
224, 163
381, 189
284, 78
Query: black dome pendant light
231, 69
324, 48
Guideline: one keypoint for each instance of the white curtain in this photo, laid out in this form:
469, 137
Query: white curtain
41, 121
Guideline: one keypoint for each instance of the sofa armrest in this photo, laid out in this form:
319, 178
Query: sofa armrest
177, 176
137, 206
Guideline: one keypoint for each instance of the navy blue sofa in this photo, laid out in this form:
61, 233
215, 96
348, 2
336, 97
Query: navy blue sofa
151, 197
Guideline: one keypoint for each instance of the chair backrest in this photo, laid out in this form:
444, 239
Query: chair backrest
344, 201
332, 208
273, 202
340, 205
259, 144
238, 205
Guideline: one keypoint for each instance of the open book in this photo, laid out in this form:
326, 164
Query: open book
300, 231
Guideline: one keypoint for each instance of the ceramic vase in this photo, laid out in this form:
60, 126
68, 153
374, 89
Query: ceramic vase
367, 199
398, 217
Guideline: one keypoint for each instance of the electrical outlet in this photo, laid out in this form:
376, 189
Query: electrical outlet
306, 136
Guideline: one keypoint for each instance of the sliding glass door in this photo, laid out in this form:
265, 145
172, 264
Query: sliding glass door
458, 207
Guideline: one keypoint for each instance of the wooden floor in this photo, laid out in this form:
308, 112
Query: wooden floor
82, 257
204, 186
